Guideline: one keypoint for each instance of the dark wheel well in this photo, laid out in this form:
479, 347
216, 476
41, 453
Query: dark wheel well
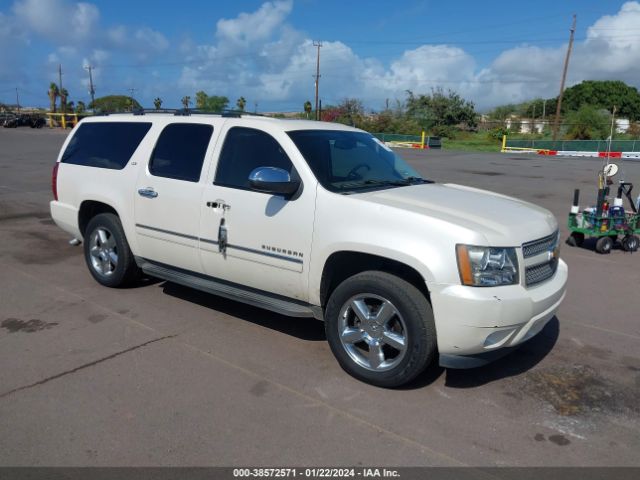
89, 209
342, 265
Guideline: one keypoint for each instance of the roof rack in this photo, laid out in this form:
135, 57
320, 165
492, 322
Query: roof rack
186, 112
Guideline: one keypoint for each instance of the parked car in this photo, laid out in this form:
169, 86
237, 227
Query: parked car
312, 219
24, 120
8, 120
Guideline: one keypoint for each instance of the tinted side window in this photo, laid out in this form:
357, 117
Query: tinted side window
105, 144
180, 151
246, 149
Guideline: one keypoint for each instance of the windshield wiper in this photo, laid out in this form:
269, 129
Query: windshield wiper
385, 183
399, 182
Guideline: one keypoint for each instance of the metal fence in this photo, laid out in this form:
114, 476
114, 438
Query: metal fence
395, 137
577, 145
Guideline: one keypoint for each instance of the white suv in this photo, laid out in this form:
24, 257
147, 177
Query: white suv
312, 219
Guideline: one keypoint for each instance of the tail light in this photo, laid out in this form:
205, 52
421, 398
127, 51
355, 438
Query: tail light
54, 181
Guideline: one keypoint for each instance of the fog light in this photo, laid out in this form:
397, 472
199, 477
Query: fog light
497, 339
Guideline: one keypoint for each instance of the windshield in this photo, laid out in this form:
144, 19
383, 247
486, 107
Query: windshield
346, 161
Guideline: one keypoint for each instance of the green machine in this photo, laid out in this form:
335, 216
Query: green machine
606, 221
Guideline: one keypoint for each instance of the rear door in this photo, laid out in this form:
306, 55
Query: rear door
168, 195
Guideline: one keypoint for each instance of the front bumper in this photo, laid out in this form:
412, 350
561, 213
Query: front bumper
482, 324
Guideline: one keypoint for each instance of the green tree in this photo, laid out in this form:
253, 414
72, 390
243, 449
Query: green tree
201, 100
157, 103
217, 103
241, 103
186, 100
440, 112
587, 123
605, 95
114, 103
53, 96
351, 112
81, 107
213, 103
502, 112
307, 108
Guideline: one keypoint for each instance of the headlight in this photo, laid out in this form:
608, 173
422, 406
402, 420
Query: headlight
487, 266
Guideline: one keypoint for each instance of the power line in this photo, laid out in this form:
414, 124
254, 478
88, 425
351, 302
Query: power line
564, 77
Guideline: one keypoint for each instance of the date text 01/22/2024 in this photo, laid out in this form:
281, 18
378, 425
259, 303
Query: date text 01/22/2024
314, 473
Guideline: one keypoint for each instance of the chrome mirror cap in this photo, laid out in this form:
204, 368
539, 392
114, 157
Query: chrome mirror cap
273, 180
269, 175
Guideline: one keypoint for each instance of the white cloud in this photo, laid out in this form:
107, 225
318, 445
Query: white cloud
611, 50
264, 58
248, 28
11, 69
84, 17
58, 20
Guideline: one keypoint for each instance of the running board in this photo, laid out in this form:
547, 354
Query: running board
215, 287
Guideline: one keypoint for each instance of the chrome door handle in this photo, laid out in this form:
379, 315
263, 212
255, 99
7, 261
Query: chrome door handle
219, 204
147, 192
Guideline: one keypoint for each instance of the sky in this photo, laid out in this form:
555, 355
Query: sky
490, 52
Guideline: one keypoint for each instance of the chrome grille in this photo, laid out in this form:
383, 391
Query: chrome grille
540, 273
536, 247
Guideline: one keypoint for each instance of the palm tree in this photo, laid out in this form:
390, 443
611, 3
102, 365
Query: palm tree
201, 100
186, 101
81, 107
64, 94
157, 103
307, 108
241, 103
53, 96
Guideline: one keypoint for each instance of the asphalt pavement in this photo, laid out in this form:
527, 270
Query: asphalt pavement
162, 375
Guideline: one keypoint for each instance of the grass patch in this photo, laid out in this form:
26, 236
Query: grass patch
474, 142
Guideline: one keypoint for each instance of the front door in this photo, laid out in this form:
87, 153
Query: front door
268, 237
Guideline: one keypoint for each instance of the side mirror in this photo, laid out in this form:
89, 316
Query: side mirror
273, 180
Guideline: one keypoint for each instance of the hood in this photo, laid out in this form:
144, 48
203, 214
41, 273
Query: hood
503, 220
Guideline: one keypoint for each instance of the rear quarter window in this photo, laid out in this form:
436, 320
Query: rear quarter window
105, 145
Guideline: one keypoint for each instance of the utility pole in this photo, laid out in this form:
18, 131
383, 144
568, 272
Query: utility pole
255, 107
533, 119
62, 107
17, 100
131, 90
92, 90
317, 44
564, 77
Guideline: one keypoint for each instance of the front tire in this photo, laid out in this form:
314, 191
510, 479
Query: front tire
107, 252
380, 329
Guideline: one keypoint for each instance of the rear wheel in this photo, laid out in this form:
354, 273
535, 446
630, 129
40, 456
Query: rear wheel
630, 243
380, 328
107, 252
604, 245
